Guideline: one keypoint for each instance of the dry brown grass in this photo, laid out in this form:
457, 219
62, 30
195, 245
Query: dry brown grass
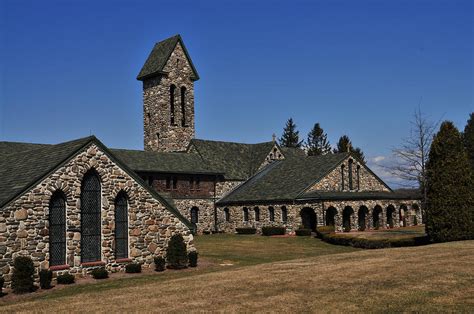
437, 277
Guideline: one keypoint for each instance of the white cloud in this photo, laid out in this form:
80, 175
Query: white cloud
378, 159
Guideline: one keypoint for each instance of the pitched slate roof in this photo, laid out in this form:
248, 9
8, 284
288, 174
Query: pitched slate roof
363, 195
145, 161
22, 164
237, 161
284, 180
160, 54
22, 168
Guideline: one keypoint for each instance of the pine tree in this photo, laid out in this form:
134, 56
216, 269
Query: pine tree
468, 138
344, 145
450, 201
290, 137
317, 142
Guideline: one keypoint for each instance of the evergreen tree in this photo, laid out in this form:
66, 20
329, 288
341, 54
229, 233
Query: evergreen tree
290, 137
468, 138
176, 254
344, 145
317, 142
450, 202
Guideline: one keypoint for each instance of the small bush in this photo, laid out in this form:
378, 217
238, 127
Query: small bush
45, 276
246, 230
2, 282
159, 263
65, 279
23, 272
303, 232
320, 231
193, 258
133, 268
100, 273
269, 231
176, 254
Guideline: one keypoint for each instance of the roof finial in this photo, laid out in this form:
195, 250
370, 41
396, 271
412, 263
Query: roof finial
274, 138
349, 147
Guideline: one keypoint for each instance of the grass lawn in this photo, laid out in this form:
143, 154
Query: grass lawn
284, 274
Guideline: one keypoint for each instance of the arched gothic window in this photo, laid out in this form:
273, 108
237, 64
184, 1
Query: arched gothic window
284, 214
271, 213
57, 229
358, 177
183, 106
121, 226
257, 213
172, 96
246, 214
350, 174
342, 177
226, 214
90, 218
194, 215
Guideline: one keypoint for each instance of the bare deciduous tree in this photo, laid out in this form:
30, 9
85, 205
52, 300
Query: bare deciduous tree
412, 155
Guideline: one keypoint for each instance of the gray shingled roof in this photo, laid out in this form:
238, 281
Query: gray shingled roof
237, 161
160, 54
22, 164
145, 161
284, 180
363, 195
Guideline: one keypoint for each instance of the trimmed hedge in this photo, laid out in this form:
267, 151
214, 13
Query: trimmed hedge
23, 273
269, 231
100, 273
193, 258
363, 243
133, 268
160, 263
303, 232
45, 276
246, 230
65, 279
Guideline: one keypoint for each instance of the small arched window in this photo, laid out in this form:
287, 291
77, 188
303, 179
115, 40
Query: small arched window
194, 215
226, 214
172, 96
271, 213
342, 177
57, 229
284, 214
121, 226
183, 106
257, 213
350, 174
246, 214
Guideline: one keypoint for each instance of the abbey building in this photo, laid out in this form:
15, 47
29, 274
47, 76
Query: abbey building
78, 205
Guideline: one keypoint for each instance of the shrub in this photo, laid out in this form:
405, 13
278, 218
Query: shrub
159, 263
364, 243
176, 255
269, 231
321, 231
303, 232
23, 272
193, 258
65, 279
133, 268
246, 230
2, 282
45, 276
100, 273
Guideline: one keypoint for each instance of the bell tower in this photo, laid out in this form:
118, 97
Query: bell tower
168, 77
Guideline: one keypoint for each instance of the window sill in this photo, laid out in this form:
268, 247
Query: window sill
59, 267
92, 264
123, 260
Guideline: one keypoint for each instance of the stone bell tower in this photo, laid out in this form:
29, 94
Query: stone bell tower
168, 77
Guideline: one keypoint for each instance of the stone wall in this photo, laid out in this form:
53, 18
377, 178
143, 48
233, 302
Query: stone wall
364, 181
24, 222
274, 154
159, 133
205, 208
294, 220
225, 187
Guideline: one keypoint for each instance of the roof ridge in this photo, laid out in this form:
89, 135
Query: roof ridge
229, 142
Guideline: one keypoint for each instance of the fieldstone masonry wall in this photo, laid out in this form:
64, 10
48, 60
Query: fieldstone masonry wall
159, 133
205, 208
24, 222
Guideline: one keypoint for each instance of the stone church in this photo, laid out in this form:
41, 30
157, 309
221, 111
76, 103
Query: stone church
79, 204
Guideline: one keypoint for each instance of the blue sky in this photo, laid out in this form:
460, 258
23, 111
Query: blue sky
68, 68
